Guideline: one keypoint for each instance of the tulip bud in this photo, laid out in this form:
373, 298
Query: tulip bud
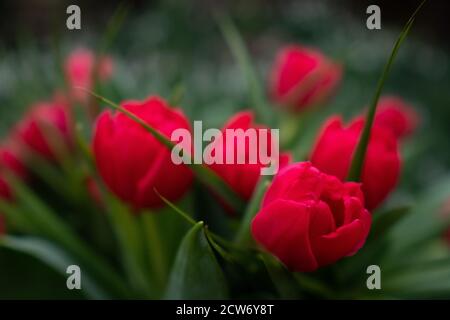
132, 162
334, 150
303, 77
79, 67
46, 130
309, 219
243, 177
10, 163
395, 115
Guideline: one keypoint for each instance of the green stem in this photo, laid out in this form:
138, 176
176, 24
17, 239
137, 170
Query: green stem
155, 249
243, 234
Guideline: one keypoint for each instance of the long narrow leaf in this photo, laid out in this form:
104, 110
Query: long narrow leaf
196, 273
49, 225
54, 257
238, 48
360, 152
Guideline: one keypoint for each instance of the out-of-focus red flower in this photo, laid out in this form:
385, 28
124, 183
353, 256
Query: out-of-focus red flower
243, 177
334, 150
396, 115
10, 163
303, 77
12, 156
79, 67
46, 129
445, 216
132, 162
310, 219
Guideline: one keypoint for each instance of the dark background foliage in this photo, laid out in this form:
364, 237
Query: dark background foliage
162, 44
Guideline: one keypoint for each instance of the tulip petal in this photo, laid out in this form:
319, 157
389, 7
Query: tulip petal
282, 227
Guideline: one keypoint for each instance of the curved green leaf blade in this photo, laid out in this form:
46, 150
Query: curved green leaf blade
239, 50
384, 221
196, 273
360, 152
283, 280
47, 223
54, 257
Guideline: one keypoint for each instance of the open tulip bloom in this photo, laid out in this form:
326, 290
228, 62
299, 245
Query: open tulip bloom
139, 195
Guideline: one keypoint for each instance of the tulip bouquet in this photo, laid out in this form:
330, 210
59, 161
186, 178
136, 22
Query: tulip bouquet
89, 187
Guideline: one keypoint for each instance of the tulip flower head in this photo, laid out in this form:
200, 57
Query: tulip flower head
243, 177
334, 150
396, 115
132, 162
303, 77
309, 219
79, 68
46, 130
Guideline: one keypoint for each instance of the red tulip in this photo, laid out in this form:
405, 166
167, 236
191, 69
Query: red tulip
394, 114
46, 129
12, 158
334, 150
10, 163
132, 162
242, 178
309, 219
79, 67
303, 77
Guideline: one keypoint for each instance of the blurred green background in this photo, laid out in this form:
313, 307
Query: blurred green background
165, 44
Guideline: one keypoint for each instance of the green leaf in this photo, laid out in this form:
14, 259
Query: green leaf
215, 240
177, 94
283, 280
196, 273
203, 173
384, 221
176, 209
113, 27
424, 223
432, 281
54, 257
234, 40
351, 271
47, 224
16, 220
360, 152
313, 285
110, 33
131, 245
155, 249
